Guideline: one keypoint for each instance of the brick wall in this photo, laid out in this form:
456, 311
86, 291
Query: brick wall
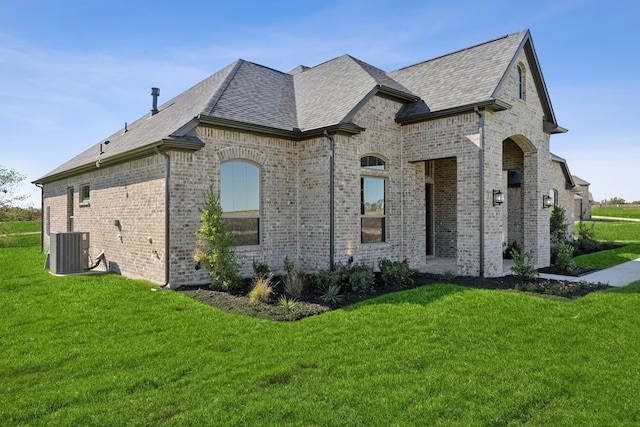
133, 194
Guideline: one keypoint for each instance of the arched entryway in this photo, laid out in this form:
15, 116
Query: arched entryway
517, 151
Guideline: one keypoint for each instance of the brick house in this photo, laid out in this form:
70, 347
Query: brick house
323, 164
563, 190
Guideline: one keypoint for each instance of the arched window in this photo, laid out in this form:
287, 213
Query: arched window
240, 200
520, 82
372, 200
372, 162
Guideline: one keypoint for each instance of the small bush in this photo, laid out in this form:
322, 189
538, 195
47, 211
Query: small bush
260, 269
523, 267
361, 278
564, 255
294, 282
262, 290
289, 265
396, 272
324, 279
332, 294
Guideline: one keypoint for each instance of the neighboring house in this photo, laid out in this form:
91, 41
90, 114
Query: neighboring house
583, 199
323, 164
563, 190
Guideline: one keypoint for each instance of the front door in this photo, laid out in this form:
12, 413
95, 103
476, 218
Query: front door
428, 197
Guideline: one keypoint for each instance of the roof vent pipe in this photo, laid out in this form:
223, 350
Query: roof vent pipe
155, 92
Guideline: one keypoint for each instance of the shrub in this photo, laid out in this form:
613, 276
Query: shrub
332, 294
289, 266
395, 272
294, 282
217, 248
260, 269
361, 278
262, 289
558, 225
585, 238
523, 267
324, 279
564, 255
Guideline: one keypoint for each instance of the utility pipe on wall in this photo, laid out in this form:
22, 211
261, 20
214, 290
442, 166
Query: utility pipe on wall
481, 167
167, 222
332, 149
42, 225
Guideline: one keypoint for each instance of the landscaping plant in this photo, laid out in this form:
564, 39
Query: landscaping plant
396, 272
217, 248
523, 267
261, 290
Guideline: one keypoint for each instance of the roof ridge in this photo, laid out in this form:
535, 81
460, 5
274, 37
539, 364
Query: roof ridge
463, 50
213, 101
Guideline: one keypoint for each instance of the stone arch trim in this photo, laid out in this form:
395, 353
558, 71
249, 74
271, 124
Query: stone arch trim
233, 153
374, 149
524, 143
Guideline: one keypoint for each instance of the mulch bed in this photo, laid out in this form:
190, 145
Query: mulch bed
310, 303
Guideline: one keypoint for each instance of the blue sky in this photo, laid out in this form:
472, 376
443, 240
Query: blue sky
73, 72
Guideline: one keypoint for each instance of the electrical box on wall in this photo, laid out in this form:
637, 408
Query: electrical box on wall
69, 252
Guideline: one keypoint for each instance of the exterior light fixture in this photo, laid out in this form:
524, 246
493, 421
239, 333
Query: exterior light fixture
498, 197
547, 202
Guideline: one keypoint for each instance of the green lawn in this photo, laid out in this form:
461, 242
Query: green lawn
20, 226
613, 231
104, 350
621, 212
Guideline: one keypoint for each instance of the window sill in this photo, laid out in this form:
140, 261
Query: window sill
84, 204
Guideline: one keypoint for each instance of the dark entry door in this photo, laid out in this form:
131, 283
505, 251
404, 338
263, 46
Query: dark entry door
428, 197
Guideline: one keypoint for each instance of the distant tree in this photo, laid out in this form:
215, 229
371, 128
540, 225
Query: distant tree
9, 180
616, 201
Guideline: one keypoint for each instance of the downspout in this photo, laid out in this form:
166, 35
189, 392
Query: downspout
481, 169
167, 222
332, 149
41, 187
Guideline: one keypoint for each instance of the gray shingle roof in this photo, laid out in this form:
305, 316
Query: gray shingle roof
460, 78
307, 99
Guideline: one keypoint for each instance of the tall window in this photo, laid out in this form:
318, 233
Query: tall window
240, 200
372, 201
519, 82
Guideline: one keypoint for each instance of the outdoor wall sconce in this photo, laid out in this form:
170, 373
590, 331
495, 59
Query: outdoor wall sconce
498, 197
547, 202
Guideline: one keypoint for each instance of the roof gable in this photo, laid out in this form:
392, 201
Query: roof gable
466, 77
332, 92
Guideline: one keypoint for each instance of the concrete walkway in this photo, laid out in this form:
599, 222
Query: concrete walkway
618, 275
613, 218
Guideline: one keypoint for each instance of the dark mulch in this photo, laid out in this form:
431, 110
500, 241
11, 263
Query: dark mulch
310, 303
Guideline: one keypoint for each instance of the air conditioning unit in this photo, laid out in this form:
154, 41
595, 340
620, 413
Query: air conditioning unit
69, 252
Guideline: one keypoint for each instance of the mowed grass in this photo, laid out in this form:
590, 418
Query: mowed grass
613, 231
617, 212
20, 226
104, 350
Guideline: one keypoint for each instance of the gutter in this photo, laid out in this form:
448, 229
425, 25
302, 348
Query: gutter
332, 149
481, 189
491, 104
167, 219
126, 156
41, 187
